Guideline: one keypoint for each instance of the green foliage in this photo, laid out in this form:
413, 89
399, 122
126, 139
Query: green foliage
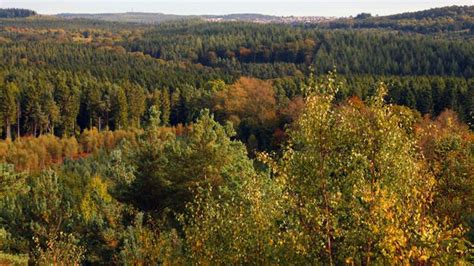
40, 218
8, 107
73, 75
10, 182
451, 20
63, 249
448, 148
16, 12
238, 226
143, 246
136, 103
352, 180
169, 167
357, 190
153, 118
67, 96
351, 186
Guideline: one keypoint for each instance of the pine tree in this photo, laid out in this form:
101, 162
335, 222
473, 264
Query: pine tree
120, 108
8, 106
67, 96
136, 103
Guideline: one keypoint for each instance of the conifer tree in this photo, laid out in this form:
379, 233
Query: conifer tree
67, 96
8, 106
161, 100
120, 108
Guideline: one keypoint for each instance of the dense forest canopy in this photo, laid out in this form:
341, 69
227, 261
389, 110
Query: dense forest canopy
193, 142
453, 20
16, 13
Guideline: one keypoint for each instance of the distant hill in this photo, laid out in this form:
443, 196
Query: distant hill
16, 13
135, 17
154, 18
451, 19
436, 13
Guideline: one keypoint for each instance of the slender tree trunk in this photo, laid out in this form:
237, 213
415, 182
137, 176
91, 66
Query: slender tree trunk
8, 130
322, 153
107, 120
328, 229
18, 114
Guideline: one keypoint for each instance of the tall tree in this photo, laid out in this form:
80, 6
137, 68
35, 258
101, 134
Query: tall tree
9, 106
357, 191
67, 95
165, 107
136, 103
120, 106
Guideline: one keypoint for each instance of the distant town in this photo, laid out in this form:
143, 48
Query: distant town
153, 18
271, 19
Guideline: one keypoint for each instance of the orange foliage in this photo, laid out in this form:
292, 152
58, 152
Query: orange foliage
245, 51
92, 140
356, 102
249, 98
279, 137
446, 125
292, 110
31, 153
447, 145
34, 154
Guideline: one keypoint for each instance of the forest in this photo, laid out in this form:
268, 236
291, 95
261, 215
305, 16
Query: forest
452, 21
195, 142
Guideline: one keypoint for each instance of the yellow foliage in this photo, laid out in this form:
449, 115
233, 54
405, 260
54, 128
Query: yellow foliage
96, 191
37, 153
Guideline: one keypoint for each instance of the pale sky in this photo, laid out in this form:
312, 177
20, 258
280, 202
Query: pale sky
196, 7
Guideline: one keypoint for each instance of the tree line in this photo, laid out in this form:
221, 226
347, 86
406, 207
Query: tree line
64, 104
357, 52
452, 21
16, 13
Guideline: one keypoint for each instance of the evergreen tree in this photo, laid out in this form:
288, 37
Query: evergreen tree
120, 108
8, 106
67, 96
136, 103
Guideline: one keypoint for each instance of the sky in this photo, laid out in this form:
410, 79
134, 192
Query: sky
337, 8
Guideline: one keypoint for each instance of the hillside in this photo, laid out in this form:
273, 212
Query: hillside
452, 12
455, 20
134, 17
154, 18
16, 13
244, 139
452, 20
